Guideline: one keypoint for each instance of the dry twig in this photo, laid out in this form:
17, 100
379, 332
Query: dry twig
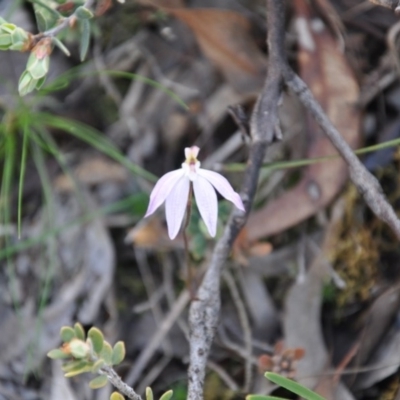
204, 312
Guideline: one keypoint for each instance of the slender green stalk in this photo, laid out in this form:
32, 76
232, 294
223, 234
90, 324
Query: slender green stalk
237, 167
22, 174
189, 271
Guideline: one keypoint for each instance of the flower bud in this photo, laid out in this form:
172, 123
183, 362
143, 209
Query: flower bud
79, 348
12, 37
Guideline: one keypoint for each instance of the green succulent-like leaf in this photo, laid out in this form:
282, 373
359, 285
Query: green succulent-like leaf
98, 365
57, 354
83, 13
8, 28
149, 394
19, 39
46, 16
106, 353
5, 41
40, 20
26, 83
167, 395
116, 396
85, 38
40, 83
73, 365
38, 68
67, 334
78, 371
79, 331
79, 348
118, 353
97, 338
98, 382
2, 21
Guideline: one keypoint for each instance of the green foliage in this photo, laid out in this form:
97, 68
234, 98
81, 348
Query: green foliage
166, 396
79, 348
92, 355
85, 38
260, 397
292, 386
149, 394
79, 331
36, 69
98, 382
67, 333
106, 353
116, 396
97, 338
118, 353
12, 37
57, 354
83, 13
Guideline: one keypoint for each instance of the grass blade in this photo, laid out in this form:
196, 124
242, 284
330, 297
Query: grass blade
95, 139
293, 386
22, 175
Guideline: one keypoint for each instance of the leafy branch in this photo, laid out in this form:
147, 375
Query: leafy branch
41, 45
94, 354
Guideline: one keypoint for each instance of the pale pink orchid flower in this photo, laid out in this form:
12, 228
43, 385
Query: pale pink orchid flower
173, 188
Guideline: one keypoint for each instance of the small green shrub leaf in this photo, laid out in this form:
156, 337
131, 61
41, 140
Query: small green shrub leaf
57, 354
118, 353
79, 348
77, 371
85, 38
149, 394
83, 13
106, 353
79, 331
67, 334
97, 338
61, 46
97, 365
116, 396
260, 397
98, 382
167, 395
293, 386
76, 364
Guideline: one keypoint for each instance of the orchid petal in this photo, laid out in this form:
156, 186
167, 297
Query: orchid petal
222, 185
206, 200
175, 206
192, 152
162, 189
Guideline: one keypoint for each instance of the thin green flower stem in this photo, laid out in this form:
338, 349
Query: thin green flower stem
189, 271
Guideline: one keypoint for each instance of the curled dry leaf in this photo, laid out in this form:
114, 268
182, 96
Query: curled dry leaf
151, 234
224, 37
325, 69
93, 171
